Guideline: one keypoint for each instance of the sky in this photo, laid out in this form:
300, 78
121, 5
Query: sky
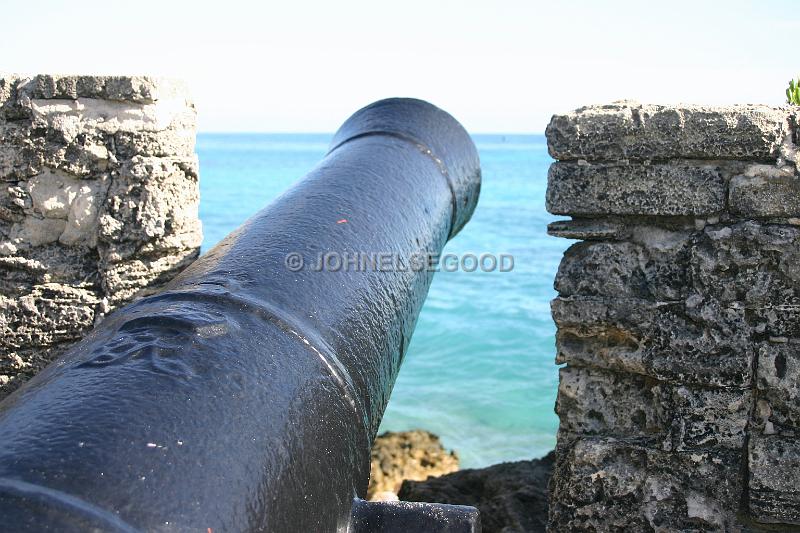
497, 66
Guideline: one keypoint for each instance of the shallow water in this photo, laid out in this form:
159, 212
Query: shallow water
480, 369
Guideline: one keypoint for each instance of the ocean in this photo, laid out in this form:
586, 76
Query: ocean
480, 368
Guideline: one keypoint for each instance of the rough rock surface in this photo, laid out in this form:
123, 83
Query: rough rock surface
511, 497
678, 319
635, 189
633, 131
98, 204
414, 455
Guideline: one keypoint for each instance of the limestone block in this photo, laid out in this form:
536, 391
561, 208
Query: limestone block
633, 189
607, 484
708, 418
757, 265
778, 384
774, 466
706, 345
136, 89
588, 229
626, 269
772, 192
99, 195
34, 327
777, 322
667, 417
597, 402
633, 131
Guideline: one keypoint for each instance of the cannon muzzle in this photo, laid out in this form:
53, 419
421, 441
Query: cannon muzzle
245, 396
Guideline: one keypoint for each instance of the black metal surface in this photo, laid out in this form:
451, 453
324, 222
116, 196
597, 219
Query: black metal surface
405, 517
245, 396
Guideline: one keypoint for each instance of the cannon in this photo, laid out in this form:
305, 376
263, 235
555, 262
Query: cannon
245, 395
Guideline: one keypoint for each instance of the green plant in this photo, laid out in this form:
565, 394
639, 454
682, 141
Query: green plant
793, 92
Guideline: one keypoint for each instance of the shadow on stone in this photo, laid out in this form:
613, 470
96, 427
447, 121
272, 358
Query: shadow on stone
512, 497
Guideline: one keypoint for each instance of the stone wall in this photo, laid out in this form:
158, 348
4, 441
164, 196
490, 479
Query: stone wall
98, 204
678, 318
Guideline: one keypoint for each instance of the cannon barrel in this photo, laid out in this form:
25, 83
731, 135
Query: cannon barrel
245, 396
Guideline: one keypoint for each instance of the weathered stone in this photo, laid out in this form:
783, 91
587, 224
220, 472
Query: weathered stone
774, 466
592, 333
778, 386
667, 417
87, 224
137, 89
512, 497
588, 229
162, 196
775, 322
756, 265
595, 402
679, 320
407, 455
774, 193
708, 418
633, 189
605, 484
704, 345
39, 324
627, 269
632, 131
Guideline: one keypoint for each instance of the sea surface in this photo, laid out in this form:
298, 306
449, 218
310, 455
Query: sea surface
480, 368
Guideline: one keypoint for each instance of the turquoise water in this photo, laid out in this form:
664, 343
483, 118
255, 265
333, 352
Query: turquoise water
479, 371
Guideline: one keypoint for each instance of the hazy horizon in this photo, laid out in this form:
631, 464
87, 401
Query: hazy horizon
504, 67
